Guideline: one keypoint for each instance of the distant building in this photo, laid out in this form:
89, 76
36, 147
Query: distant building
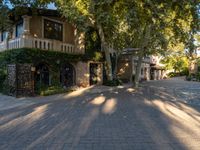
151, 68
157, 70
194, 65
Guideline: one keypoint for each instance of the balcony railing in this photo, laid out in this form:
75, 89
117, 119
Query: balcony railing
43, 44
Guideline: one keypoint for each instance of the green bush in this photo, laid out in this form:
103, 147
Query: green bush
45, 91
184, 72
3, 76
197, 76
35, 56
114, 82
191, 77
188, 78
172, 74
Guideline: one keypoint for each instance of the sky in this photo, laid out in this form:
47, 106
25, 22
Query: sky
50, 6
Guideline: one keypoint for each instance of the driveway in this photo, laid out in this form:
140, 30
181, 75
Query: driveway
161, 115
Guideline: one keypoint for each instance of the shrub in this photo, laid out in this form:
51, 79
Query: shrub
114, 82
198, 76
45, 91
3, 76
184, 72
188, 78
172, 74
35, 56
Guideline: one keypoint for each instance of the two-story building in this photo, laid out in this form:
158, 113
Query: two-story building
47, 30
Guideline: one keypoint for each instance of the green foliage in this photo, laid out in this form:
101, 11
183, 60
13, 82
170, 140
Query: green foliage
45, 91
25, 55
35, 56
172, 74
114, 82
93, 45
189, 78
3, 75
198, 76
177, 61
5, 23
184, 72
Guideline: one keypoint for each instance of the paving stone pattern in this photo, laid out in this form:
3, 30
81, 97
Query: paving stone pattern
156, 117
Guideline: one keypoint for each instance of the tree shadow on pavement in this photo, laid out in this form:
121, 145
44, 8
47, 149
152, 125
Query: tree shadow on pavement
120, 118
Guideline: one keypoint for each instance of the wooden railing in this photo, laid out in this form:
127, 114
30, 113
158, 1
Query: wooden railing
43, 44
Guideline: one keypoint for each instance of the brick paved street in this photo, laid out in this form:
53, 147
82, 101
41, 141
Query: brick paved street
161, 115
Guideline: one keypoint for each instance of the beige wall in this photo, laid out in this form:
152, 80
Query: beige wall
83, 74
193, 67
124, 70
36, 28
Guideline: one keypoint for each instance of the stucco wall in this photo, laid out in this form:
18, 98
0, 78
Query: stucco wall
83, 74
124, 70
36, 28
193, 67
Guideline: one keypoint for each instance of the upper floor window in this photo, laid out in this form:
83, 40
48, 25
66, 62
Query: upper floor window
4, 35
19, 29
53, 30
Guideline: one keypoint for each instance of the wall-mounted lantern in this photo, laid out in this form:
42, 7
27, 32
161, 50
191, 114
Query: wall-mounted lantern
33, 69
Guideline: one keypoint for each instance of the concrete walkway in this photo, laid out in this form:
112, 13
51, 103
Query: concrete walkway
157, 117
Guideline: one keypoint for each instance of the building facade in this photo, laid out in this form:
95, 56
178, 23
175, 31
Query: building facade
151, 68
127, 68
47, 30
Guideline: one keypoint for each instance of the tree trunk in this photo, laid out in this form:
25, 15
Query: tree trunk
143, 45
115, 69
105, 48
138, 70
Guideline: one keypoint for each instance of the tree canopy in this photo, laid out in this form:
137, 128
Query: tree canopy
152, 26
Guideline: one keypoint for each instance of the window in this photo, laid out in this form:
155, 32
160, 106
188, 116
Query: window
4, 34
53, 30
19, 29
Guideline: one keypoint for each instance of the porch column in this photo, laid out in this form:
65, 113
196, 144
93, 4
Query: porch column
27, 40
26, 25
155, 74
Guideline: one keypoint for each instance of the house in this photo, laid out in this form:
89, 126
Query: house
157, 70
151, 68
46, 30
127, 65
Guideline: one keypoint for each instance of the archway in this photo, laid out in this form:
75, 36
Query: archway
67, 75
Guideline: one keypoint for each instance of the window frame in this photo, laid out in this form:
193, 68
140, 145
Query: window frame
54, 21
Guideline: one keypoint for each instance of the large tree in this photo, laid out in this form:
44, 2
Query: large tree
155, 24
101, 15
146, 25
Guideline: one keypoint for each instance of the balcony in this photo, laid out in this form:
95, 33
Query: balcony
43, 44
